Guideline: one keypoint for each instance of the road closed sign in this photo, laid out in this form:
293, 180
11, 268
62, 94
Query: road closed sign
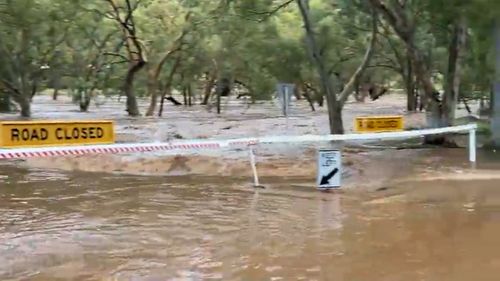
55, 133
377, 124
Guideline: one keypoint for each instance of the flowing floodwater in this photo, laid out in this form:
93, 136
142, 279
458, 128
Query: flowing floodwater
84, 226
404, 215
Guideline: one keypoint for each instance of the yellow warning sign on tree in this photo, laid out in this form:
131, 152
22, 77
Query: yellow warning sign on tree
54, 133
374, 124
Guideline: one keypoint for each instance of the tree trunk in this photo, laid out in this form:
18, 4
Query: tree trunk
219, 94
455, 58
348, 88
358, 95
153, 91
296, 92
335, 105
132, 107
25, 104
319, 97
495, 93
467, 107
308, 97
135, 49
408, 76
153, 75
185, 95
405, 30
223, 89
55, 94
208, 88
168, 84
167, 91
338, 123
326, 83
56, 83
411, 105
34, 89
190, 94
85, 98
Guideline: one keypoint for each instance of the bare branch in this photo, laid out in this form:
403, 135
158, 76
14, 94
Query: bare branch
12, 89
118, 62
346, 92
116, 55
274, 10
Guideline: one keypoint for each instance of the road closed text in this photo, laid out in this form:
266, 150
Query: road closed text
16, 134
374, 124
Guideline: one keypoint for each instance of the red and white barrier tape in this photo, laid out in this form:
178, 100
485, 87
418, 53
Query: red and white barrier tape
119, 148
194, 145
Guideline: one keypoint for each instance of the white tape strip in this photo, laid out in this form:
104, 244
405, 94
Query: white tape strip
193, 145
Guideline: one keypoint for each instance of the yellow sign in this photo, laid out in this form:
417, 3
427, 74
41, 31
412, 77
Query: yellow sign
373, 124
55, 133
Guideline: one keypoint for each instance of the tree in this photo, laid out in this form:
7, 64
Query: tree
335, 102
124, 16
397, 16
154, 73
216, 49
27, 47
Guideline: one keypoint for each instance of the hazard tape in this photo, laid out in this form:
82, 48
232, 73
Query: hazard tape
194, 145
121, 148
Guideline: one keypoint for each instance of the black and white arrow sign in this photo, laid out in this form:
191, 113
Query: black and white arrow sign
329, 169
326, 179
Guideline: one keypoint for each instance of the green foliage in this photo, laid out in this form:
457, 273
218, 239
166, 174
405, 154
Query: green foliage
4, 102
75, 44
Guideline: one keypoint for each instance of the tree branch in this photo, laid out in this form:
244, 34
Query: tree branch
348, 88
116, 55
11, 88
273, 11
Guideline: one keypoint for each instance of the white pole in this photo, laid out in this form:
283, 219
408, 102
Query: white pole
285, 100
472, 146
254, 168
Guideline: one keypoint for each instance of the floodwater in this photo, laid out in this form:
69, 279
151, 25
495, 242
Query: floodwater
80, 226
403, 215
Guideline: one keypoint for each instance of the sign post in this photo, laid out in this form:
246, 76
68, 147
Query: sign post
55, 133
329, 169
285, 92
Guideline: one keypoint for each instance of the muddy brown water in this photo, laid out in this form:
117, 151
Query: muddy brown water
86, 226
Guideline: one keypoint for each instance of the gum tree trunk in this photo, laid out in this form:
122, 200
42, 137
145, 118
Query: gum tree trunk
335, 103
495, 95
410, 87
25, 103
452, 86
327, 85
128, 88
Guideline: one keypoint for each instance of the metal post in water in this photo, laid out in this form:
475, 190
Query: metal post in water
286, 101
472, 146
256, 182
287, 98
